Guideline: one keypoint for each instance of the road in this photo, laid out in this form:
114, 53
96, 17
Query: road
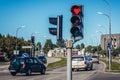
60, 74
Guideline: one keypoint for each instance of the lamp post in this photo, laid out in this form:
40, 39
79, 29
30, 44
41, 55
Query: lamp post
16, 37
103, 28
96, 43
106, 42
42, 39
109, 23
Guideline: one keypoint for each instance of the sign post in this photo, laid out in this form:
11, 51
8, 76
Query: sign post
69, 45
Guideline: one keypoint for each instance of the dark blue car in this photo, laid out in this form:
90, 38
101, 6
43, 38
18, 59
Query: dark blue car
26, 65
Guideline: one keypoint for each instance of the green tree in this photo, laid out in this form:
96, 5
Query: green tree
61, 43
38, 46
48, 45
116, 52
89, 49
78, 47
82, 46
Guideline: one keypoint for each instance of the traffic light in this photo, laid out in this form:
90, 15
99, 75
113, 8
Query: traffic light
56, 31
77, 22
33, 39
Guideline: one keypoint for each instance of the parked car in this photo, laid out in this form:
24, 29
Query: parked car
26, 65
95, 59
81, 62
43, 59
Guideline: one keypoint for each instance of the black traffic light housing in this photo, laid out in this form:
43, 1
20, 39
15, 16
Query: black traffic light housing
33, 39
77, 22
56, 31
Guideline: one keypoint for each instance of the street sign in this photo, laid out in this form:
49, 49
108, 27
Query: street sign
111, 50
25, 55
26, 46
16, 52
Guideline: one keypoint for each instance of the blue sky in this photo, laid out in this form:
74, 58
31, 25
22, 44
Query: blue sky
34, 15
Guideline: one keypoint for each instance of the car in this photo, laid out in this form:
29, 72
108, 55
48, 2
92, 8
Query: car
26, 65
95, 59
81, 62
43, 59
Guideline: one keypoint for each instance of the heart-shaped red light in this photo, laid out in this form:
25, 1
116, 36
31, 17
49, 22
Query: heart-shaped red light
77, 11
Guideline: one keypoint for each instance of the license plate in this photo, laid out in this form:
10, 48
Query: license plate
12, 70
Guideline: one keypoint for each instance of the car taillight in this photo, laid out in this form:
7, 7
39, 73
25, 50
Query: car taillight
24, 64
85, 62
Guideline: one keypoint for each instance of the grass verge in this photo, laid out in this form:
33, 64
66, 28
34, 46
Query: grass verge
115, 66
57, 64
4, 63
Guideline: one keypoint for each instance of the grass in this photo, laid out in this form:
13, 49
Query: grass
4, 63
115, 66
57, 64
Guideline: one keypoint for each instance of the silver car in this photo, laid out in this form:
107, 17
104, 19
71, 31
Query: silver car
81, 62
95, 59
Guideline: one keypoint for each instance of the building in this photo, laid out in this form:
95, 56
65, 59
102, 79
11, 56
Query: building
115, 38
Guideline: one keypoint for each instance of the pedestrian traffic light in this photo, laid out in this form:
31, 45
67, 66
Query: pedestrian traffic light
33, 39
77, 22
56, 31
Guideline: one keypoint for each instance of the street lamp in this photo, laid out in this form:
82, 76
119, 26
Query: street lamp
97, 43
17, 35
34, 33
103, 28
44, 38
106, 36
109, 17
105, 44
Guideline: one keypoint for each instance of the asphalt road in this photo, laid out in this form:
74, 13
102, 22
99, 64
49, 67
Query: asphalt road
61, 74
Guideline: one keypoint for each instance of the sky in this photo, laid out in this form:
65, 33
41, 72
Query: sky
34, 15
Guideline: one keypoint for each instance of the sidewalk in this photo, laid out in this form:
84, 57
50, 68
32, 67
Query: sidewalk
4, 67
118, 61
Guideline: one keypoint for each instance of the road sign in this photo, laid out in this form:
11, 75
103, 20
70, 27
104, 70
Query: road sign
16, 52
111, 50
26, 46
25, 55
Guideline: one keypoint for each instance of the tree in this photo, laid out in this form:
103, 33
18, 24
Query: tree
116, 52
82, 46
38, 46
89, 49
78, 47
48, 45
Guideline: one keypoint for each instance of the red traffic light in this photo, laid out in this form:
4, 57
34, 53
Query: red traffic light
32, 39
76, 10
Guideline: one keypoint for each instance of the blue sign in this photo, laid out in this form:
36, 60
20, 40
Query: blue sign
25, 55
111, 50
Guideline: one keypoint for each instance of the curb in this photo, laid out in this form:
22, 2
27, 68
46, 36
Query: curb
106, 71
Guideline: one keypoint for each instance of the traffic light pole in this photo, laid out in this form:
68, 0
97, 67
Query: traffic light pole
69, 46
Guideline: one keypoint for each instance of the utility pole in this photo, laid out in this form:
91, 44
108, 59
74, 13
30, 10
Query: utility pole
69, 46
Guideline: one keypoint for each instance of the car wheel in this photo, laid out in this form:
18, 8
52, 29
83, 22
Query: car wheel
86, 68
13, 73
43, 71
28, 73
72, 69
91, 68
